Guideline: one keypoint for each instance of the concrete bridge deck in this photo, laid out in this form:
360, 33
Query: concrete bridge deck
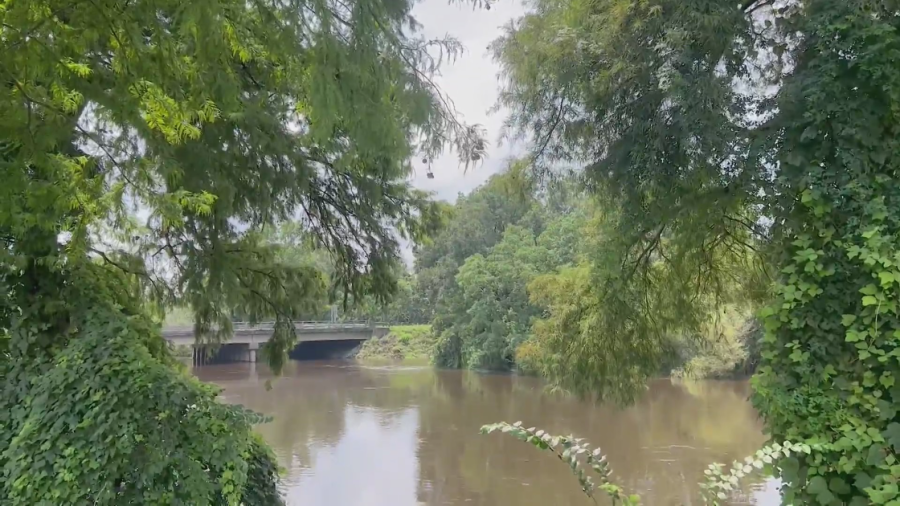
246, 339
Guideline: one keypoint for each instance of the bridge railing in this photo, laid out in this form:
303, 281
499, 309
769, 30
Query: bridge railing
299, 325
309, 325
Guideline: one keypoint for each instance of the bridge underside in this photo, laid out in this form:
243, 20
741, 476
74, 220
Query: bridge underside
324, 350
231, 353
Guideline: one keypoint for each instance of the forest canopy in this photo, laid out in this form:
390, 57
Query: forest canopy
743, 152
732, 159
500, 282
147, 150
728, 156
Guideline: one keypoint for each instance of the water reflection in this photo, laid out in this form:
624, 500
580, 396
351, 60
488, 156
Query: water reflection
374, 464
351, 435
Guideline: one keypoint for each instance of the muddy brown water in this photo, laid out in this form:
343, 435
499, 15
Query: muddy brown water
356, 435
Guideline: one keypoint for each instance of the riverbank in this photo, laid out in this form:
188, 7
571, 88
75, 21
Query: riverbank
403, 342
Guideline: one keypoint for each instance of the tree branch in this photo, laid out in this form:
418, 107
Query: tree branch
556, 121
750, 6
645, 254
142, 273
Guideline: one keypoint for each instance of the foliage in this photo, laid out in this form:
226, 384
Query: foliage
182, 351
298, 248
472, 226
540, 269
577, 454
717, 348
485, 313
742, 140
403, 342
491, 313
263, 474
397, 306
831, 352
529, 357
327, 125
178, 317
725, 348
409, 333
720, 485
110, 424
405, 306
147, 148
653, 125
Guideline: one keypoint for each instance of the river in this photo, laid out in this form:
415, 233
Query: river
352, 435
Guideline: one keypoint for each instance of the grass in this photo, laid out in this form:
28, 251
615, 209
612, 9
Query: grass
179, 317
402, 343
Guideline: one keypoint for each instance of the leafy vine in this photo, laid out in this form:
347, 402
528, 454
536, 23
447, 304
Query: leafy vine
720, 482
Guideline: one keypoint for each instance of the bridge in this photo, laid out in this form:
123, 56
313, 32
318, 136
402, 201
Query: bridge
246, 339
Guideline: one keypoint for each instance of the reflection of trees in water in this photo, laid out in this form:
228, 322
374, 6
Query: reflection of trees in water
658, 447
458, 466
682, 428
308, 402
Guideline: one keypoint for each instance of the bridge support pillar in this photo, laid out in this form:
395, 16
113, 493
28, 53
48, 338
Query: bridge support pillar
199, 356
253, 353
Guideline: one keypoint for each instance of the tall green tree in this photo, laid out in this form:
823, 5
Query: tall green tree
489, 315
654, 125
472, 226
735, 143
145, 146
485, 314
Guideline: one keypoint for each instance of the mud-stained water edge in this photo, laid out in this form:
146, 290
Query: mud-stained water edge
355, 435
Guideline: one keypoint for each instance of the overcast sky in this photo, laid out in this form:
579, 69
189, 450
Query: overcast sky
471, 82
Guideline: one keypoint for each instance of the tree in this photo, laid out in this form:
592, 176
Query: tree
472, 226
490, 313
145, 147
734, 144
298, 248
485, 314
637, 113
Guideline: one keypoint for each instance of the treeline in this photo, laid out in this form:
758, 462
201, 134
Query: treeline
501, 277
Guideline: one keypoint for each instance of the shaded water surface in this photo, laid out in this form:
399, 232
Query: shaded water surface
353, 435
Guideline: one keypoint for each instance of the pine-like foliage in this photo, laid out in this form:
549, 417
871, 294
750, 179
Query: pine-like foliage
733, 141
145, 148
642, 95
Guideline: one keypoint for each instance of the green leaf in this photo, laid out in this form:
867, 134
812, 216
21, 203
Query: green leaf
848, 319
869, 289
862, 481
892, 435
869, 300
818, 487
875, 455
838, 486
789, 467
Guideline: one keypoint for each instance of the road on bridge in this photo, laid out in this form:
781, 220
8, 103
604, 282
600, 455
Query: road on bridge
243, 333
